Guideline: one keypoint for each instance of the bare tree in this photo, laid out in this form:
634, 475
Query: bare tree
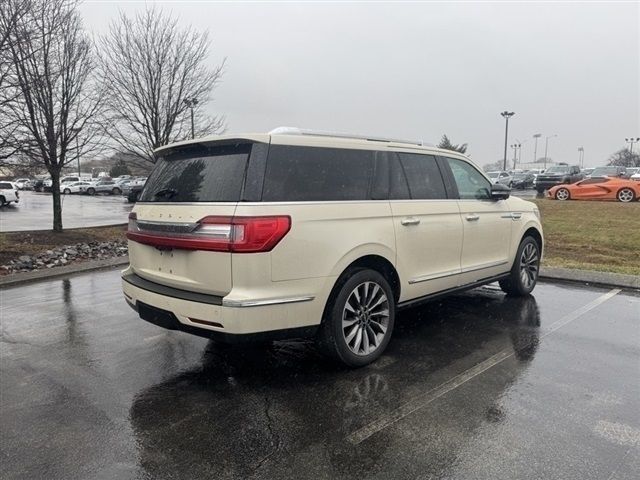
153, 67
57, 106
11, 12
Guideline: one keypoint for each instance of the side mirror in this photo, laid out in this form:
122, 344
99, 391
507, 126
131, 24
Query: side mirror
500, 191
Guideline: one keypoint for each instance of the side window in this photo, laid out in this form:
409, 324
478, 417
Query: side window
311, 173
398, 186
423, 176
471, 183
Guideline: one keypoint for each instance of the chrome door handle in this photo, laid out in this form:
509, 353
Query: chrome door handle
410, 221
473, 218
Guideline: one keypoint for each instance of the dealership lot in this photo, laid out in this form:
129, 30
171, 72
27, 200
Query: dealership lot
34, 211
474, 386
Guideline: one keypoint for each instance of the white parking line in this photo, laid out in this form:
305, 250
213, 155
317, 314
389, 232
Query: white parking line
425, 399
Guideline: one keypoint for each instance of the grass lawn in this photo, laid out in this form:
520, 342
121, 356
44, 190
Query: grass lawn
14, 244
592, 235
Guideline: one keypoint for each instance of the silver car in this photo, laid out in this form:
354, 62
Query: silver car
501, 177
103, 186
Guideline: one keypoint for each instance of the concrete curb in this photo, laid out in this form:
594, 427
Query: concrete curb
28, 277
591, 277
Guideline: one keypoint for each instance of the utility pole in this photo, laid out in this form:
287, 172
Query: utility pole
631, 141
535, 147
507, 115
191, 103
546, 149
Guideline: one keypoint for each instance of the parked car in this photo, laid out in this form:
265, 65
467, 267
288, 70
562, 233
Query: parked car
38, 185
137, 182
134, 193
557, 175
636, 176
523, 180
74, 187
293, 234
609, 171
8, 193
103, 186
587, 172
502, 177
22, 183
597, 188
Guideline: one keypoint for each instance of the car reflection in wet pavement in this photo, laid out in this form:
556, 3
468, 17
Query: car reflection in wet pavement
478, 385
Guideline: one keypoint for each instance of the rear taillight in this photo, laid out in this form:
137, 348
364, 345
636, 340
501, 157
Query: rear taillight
220, 234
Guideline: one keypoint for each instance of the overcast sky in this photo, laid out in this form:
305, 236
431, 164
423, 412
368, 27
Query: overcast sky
418, 70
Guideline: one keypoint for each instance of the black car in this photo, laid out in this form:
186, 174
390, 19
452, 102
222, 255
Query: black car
522, 180
134, 193
558, 175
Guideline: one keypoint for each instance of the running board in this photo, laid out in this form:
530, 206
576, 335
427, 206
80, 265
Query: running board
461, 288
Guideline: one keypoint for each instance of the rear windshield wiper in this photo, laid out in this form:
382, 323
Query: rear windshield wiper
166, 192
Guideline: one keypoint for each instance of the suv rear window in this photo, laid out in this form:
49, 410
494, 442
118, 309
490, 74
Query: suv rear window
5, 185
198, 173
312, 173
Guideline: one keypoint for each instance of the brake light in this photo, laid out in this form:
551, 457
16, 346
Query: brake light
221, 234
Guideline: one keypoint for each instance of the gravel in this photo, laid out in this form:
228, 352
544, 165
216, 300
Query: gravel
67, 254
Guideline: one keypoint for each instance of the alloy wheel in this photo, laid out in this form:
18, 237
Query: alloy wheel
626, 195
529, 265
562, 194
365, 318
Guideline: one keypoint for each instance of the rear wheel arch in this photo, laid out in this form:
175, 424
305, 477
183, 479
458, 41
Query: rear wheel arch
374, 262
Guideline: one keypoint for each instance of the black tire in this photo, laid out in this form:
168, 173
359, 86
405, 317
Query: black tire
66, 191
332, 337
521, 282
3, 201
626, 195
563, 194
116, 191
91, 191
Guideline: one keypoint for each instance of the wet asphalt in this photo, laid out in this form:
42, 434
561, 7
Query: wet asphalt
34, 211
476, 386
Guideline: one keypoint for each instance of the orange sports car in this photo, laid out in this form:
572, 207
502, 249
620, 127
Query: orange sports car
603, 188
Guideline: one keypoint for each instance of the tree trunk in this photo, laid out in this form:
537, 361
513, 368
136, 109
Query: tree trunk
57, 205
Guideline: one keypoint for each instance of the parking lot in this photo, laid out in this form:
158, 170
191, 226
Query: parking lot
476, 386
34, 211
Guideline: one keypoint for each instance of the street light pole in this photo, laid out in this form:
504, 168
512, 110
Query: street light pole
506, 114
191, 103
631, 141
516, 147
535, 147
546, 149
581, 157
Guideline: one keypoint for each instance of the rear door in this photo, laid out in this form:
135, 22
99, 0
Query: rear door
486, 223
427, 225
188, 184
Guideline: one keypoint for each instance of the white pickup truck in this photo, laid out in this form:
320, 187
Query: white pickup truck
8, 193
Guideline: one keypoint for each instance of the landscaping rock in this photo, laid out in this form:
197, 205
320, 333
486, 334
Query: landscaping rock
65, 255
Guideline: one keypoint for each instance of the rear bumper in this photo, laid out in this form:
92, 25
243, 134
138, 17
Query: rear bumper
221, 317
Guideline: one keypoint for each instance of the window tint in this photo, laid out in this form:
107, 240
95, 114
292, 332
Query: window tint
310, 173
590, 181
423, 176
471, 183
6, 185
198, 173
399, 187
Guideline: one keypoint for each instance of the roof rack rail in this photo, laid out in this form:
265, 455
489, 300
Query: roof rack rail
322, 133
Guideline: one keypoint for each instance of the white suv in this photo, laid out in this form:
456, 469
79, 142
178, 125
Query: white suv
297, 233
8, 193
